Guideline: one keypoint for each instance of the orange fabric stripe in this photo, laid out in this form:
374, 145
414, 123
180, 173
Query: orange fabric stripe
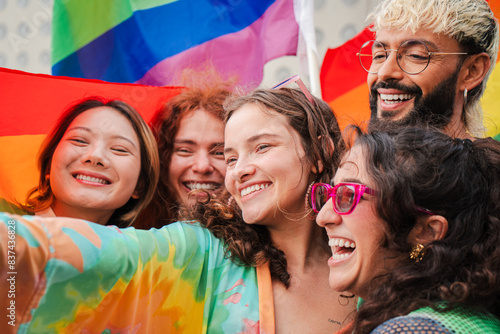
18, 168
352, 107
266, 300
347, 329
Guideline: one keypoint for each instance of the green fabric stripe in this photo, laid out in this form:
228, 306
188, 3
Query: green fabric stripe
75, 23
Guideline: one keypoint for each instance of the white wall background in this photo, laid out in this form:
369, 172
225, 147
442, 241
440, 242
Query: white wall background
25, 28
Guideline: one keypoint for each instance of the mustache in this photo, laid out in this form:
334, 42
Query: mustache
414, 89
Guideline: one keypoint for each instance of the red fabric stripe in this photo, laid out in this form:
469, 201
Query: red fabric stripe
31, 103
341, 71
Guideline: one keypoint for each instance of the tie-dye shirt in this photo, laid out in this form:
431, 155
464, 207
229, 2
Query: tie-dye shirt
73, 276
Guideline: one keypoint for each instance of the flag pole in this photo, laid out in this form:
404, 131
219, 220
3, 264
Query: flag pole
313, 67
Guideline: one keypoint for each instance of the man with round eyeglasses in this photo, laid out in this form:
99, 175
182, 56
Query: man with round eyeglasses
429, 64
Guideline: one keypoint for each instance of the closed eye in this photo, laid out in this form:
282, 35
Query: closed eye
218, 151
183, 151
120, 150
78, 141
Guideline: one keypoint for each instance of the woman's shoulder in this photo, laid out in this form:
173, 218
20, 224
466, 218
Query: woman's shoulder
458, 320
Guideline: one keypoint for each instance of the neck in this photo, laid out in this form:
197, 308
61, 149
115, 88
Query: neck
456, 127
303, 242
99, 217
457, 130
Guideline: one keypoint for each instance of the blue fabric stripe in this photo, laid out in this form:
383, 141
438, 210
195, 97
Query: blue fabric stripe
126, 52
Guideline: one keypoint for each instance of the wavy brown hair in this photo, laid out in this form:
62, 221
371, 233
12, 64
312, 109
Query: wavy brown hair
164, 208
322, 141
41, 197
457, 179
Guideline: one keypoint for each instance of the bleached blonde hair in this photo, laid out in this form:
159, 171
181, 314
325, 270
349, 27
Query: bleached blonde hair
470, 22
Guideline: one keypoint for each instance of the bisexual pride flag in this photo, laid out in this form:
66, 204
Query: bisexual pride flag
151, 41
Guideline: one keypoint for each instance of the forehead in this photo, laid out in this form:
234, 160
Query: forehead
252, 119
102, 117
352, 167
198, 119
393, 38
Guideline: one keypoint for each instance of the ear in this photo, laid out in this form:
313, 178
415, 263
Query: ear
474, 70
428, 229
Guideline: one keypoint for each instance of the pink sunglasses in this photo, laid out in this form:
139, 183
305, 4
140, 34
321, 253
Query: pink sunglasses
346, 197
299, 83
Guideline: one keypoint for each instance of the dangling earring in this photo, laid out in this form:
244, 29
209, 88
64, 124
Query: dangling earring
465, 97
230, 201
417, 252
307, 202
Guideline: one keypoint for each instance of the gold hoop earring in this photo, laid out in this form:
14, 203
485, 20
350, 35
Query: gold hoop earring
417, 252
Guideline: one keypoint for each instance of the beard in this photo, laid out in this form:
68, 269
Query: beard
434, 109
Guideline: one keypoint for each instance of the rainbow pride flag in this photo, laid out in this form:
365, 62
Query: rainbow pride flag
31, 103
344, 87
150, 41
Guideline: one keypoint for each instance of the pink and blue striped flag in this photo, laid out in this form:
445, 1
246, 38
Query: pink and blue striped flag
151, 41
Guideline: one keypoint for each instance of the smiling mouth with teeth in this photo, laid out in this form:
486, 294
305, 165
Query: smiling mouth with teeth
254, 188
202, 186
396, 98
341, 248
90, 179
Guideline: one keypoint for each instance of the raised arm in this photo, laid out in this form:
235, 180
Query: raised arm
74, 275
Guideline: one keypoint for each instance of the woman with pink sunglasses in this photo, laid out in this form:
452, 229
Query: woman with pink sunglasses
413, 222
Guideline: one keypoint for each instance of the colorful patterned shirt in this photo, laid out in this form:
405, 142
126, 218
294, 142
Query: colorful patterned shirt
73, 276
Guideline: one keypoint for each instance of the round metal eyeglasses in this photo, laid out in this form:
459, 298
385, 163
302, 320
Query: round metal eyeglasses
413, 56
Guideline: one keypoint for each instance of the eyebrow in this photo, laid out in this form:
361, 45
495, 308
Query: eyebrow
217, 145
351, 180
191, 142
86, 129
254, 139
427, 42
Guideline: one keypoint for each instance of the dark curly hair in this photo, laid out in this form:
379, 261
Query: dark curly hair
457, 179
322, 141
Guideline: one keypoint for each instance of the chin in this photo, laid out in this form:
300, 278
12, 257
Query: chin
251, 218
334, 284
249, 221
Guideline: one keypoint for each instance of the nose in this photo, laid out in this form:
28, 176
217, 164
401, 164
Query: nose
241, 170
96, 155
327, 216
390, 69
203, 164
